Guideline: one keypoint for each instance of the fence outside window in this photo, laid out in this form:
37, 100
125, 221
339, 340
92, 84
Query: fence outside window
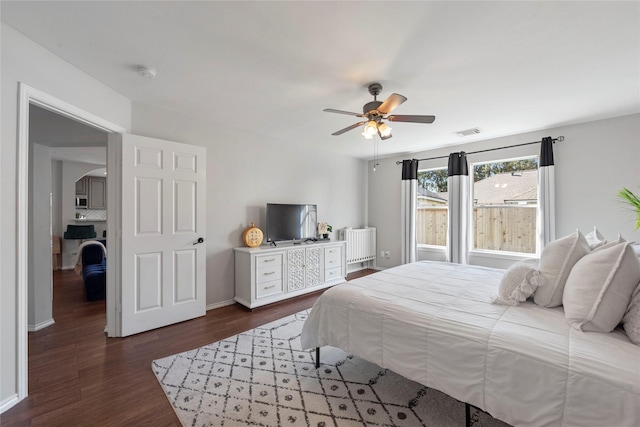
510, 228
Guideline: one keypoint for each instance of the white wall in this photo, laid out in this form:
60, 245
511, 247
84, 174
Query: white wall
595, 161
245, 171
24, 61
40, 294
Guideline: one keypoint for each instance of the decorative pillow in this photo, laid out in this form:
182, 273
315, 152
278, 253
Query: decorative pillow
556, 261
636, 248
631, 319
607, 245
595, 238
599, 288
518, 283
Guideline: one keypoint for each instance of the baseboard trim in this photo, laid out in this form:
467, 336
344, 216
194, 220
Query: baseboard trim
220, 304
41, 325
9, 403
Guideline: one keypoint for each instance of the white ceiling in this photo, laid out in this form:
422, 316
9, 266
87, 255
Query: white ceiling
271, 67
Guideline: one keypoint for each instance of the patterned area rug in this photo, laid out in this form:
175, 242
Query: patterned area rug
263, 378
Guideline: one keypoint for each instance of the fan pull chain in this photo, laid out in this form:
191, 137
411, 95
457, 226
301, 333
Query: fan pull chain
375, 152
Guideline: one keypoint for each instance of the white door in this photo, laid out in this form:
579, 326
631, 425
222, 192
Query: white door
163, 229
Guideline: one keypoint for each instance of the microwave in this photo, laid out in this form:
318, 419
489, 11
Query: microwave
81, 202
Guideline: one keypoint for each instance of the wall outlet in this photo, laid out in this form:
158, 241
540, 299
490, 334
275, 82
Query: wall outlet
385, 254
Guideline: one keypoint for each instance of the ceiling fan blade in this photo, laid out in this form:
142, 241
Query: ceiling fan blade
411, 119
349, 113
391, 102
348, 128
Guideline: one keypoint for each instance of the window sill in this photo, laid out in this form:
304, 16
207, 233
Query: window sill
515, 256
433, 248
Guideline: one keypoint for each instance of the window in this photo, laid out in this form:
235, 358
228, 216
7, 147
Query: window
505, 202
432, 207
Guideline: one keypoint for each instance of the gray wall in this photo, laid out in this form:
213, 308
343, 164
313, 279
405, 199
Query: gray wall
40, 294
595, 161
245, 171
56, 191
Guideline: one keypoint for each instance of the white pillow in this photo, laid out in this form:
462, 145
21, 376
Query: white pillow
636, 248
599, 288
611, 244
556, 261
631, 319
595, 238
518, 283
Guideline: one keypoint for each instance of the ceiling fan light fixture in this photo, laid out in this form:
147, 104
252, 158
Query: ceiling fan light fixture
385, 131
370, 129
374, 112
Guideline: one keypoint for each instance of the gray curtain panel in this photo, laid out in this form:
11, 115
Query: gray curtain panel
546, 195
409, 205
458, 220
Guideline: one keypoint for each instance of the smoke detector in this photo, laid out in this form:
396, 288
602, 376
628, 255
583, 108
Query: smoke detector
146, 72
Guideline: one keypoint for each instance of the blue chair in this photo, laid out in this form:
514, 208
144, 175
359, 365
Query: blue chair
94, 272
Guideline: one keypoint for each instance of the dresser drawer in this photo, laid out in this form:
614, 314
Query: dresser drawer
332, 258
266, 260
332, 273
268, 273
268, 288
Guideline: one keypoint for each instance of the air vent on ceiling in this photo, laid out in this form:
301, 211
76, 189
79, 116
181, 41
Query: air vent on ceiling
468, 132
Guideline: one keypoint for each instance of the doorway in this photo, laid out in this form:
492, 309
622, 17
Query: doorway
61, 151
31, 97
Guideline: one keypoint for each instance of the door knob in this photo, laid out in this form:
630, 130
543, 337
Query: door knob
200, 240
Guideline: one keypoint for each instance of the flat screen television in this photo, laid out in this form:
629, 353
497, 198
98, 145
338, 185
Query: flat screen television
291, 222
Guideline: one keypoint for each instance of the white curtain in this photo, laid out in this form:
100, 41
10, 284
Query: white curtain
409, 206
458, 220
546, 223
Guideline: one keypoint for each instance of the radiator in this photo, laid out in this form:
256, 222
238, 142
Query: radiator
361, 244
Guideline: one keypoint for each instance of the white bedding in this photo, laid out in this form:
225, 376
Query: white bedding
434, 323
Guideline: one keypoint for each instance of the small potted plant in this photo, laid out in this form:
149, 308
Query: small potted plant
633, 200
329, 230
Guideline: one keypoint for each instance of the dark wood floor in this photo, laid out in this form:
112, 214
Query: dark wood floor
79, 377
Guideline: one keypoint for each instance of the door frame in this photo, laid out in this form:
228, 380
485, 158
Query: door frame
26, 96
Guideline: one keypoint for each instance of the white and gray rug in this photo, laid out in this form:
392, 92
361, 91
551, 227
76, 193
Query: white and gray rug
262, 377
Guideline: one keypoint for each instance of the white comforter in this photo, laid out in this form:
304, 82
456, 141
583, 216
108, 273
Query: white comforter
434, 323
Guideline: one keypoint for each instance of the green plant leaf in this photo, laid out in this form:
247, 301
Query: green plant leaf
634, 200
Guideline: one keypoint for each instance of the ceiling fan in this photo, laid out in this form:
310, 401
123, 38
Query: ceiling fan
376, 111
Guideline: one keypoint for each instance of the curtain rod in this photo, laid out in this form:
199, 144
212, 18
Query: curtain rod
558, 139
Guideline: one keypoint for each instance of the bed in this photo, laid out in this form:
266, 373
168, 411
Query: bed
434, 323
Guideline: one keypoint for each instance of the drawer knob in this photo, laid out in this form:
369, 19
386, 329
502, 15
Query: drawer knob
269, 272
269, 287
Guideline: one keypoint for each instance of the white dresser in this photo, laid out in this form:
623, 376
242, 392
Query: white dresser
267, 274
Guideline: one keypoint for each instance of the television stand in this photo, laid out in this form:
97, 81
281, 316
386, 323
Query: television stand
268, 274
